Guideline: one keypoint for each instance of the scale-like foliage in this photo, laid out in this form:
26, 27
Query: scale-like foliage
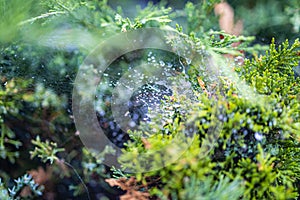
252, 104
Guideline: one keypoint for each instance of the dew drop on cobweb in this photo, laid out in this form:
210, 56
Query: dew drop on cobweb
162, 63
239, 60
258, 136
188, 61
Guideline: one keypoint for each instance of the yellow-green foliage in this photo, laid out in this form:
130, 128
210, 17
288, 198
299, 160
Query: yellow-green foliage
257, 149
251, 121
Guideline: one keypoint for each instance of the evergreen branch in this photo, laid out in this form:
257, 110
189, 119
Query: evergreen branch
41, 17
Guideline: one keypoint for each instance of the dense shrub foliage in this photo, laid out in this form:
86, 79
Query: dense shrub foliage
243, 113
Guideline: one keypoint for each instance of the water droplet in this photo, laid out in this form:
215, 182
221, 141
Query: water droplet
188, 61
132, 124
162, 63
220, 117
239, 60
270, 123
258, 136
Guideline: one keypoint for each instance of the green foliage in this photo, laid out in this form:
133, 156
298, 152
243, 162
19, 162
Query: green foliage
200, 17
151, 16
13, 92
245, 143
255, 142
272, 73
20, 183
12, 13
92, 163
293, 11
46, 151
209, 189
3, 191
269, 18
